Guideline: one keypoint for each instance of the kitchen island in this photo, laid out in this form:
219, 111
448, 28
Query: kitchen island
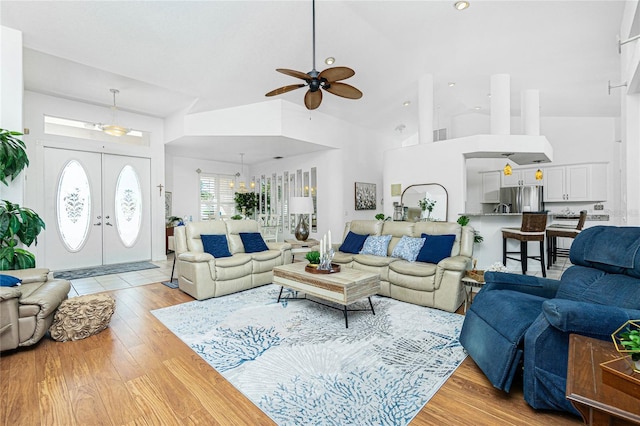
489, 225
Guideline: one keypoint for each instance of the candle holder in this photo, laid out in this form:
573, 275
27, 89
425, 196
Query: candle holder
326, 259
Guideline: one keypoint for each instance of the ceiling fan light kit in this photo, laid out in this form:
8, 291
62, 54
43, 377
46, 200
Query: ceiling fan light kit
328, 79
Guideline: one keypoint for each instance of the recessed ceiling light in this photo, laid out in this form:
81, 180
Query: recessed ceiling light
330, 60
406, 103
278, 157
477, 108
461, 5
451, 84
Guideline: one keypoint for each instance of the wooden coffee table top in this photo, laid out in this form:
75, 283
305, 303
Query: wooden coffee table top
344, 287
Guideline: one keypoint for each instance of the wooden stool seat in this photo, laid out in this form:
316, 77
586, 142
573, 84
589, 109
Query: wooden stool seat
532, 229
558, 231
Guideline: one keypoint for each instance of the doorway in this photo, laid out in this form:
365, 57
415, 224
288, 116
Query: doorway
97, 209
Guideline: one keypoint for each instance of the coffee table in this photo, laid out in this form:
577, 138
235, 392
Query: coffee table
344, 287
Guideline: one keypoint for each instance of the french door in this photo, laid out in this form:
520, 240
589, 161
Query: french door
97, 209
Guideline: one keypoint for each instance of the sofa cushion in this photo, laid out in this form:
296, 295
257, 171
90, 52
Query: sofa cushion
408, 248
436, 248
216, 245
376, 245
373, 260
253, 242
9, 281
353, 243
415, 269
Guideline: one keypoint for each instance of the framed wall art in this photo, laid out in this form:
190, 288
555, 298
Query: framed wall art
365, 196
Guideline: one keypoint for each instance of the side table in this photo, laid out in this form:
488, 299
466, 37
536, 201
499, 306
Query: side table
298, 247
469, 283
599, 404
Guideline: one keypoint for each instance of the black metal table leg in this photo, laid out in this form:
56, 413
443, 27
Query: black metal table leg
346, 320
371, 304
280, 295
173, 267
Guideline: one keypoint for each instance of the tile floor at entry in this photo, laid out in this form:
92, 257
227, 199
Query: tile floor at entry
102, 283
163, 273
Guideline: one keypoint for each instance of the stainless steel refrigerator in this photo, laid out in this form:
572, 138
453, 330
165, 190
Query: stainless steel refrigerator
523, 198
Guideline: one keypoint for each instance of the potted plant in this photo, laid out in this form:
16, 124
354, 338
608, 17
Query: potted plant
627, 341
464, 221
13, 155
174, 221
427, 204
246, 202
381, 216
314, 258
17, 224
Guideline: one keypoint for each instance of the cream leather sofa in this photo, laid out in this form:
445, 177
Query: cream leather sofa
26, 311
425, 284
203, 276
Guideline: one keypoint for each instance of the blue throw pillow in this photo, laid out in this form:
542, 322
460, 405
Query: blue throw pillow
408, 248
216, 245
376, 245
9, 281
353, 243
436, 248
253, 242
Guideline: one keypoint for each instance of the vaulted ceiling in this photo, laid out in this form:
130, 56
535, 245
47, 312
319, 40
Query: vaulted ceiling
205, 55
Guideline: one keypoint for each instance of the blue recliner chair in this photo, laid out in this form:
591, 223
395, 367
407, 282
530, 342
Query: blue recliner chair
523, 322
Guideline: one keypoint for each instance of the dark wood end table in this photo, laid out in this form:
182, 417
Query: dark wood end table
598, 403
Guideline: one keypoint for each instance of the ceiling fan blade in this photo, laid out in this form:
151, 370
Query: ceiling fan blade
336, 74
285, 89
294, 73
344, 90
312, 99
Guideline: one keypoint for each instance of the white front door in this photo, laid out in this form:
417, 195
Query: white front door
97, 209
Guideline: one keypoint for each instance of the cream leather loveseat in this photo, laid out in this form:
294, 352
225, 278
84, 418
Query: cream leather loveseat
203, 276
426, 284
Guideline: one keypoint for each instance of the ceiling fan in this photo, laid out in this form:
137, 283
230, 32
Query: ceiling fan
328, 79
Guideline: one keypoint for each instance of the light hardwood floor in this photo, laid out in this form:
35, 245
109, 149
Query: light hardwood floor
137, 372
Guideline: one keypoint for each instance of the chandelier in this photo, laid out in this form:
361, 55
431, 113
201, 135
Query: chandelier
242, 186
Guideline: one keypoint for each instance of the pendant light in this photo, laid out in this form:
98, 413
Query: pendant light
507, 168
114, 129
242, 186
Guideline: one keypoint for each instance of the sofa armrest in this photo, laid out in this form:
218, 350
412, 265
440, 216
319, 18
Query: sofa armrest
48, 296
7, 293
543, 287
278, 246
30, 275
193, 257
454, 263
584, 318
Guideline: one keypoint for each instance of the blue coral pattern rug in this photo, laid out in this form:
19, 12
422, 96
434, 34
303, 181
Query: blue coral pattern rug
300, 365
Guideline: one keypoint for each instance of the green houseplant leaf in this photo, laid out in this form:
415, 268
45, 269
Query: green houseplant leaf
18, 225
13, 155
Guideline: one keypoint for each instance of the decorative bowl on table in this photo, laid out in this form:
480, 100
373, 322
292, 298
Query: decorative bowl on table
315, 270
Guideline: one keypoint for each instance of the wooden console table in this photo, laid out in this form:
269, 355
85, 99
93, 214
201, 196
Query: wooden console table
598, 403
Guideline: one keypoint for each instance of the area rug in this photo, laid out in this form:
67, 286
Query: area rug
75, 274
300, 365
171, 284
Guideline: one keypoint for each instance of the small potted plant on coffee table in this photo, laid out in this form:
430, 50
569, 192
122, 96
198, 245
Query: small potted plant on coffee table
314, 258
627, 341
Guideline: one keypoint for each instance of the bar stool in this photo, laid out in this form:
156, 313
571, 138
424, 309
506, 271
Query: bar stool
562, 231
532, 229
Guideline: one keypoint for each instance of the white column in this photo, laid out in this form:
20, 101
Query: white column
425, 109
530, 107
500, 104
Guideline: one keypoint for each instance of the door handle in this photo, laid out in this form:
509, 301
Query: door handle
108, 224
97, 224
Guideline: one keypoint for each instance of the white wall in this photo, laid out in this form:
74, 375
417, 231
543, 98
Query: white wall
11, 88
37, 105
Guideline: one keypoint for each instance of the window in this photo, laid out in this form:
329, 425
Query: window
216, 196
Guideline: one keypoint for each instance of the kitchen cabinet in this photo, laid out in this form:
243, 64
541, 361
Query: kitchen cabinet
576, 182
520, 177
491, 187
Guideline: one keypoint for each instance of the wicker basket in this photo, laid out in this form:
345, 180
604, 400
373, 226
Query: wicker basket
476, 275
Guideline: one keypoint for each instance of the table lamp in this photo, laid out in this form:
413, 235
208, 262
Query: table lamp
301, 206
